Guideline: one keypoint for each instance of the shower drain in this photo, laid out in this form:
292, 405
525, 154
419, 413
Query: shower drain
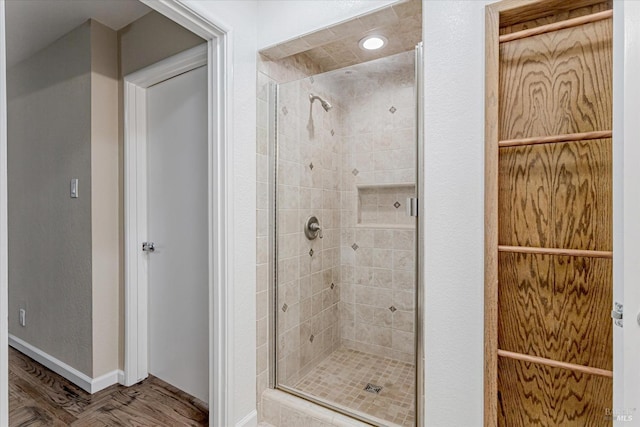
372, 388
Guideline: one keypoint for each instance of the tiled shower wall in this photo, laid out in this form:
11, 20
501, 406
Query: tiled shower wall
308, 270
379, 143
284, 70
377, 306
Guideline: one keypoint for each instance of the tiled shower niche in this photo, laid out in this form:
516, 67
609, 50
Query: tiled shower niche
384, 206
348, 299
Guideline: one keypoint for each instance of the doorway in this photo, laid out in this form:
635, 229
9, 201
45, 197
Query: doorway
216, 210
166, 135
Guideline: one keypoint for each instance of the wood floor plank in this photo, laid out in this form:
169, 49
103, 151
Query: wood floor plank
35, 397
50, 386
40, 397
32, 415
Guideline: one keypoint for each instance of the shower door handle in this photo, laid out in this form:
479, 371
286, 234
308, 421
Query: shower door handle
412, 206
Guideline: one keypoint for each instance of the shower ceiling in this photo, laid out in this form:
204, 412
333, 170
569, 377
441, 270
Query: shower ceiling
338, 46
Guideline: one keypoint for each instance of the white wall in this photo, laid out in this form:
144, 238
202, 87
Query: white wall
454, 169
241, 17
627, 237
281, 20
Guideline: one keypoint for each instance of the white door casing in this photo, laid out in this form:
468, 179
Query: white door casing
177, 217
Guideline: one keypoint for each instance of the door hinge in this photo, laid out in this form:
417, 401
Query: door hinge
412, 206
617, 313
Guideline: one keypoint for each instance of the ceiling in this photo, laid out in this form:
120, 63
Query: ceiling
337, 46
34, 24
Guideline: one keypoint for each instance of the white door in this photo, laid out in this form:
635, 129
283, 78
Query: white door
177, 225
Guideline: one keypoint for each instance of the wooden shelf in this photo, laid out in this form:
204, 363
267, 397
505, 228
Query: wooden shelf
556, 251
555, 363
555, 139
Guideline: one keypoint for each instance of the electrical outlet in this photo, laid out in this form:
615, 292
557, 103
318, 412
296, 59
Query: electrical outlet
23, 317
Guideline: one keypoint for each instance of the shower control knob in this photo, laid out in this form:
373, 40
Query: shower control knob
312, 228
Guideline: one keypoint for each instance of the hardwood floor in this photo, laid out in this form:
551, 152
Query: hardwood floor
40, 397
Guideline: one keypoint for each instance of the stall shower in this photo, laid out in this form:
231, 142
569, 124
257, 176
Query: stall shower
344, 239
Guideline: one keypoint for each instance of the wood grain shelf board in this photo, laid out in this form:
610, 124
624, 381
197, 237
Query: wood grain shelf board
557, 196
553, 83
533, 394
557, 307
556, 26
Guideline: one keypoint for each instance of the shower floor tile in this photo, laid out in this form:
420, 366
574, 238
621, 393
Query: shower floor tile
343, 376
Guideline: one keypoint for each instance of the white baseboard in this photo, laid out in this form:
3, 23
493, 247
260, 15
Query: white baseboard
250, 420
106, 380
88, 384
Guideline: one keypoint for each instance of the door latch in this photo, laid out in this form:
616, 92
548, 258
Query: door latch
617, 313
148, 247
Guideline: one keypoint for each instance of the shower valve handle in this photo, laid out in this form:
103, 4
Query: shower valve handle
316, 227
312, 228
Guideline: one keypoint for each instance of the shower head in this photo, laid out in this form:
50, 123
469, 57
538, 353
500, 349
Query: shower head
325, 104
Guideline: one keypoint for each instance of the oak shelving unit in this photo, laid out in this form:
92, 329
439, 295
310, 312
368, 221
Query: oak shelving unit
548, 213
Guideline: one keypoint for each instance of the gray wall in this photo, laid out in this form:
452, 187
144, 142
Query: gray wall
151, 39
49, 142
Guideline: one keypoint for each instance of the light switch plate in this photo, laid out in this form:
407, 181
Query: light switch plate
74, 188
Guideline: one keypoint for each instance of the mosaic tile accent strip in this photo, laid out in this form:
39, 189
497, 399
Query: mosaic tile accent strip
343, 376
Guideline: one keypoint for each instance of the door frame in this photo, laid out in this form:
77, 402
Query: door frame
219, 56
136, 355
4, 245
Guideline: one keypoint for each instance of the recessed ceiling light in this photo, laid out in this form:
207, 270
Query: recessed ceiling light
373, 42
